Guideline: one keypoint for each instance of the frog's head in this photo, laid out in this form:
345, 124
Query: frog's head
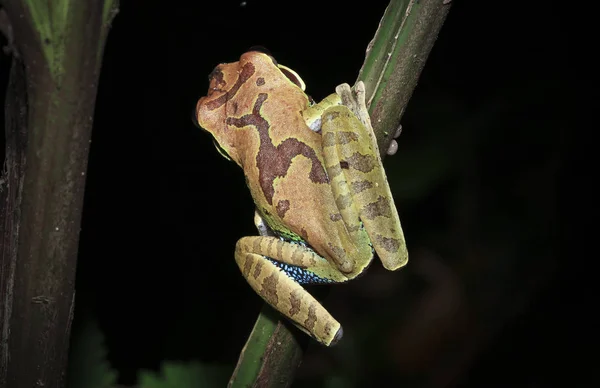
234, 91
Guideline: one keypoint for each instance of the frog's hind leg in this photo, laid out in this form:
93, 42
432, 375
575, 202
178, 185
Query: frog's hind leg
275, 269
355, 169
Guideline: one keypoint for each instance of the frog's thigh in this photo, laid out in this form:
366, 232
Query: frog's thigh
355, 168
282, 292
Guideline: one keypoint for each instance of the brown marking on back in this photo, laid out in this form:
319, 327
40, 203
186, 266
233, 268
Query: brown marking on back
282, 207
260, 81
344, 165
245, 74
379, 208
310, 321
327, 328
295, 302
359, 186
257, 268
363, 163
388, 243
269, 288
304, 234
274, 162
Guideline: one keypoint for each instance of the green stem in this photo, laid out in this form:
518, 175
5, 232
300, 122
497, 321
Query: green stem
271, 341
395, 59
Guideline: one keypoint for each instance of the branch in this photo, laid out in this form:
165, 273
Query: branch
271, 355
49, 110
394, 60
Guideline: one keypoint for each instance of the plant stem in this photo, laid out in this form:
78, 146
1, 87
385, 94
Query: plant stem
49, 109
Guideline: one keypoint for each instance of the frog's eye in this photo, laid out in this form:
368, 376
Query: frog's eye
293, 76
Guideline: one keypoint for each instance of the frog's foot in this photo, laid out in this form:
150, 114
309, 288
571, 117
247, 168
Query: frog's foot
393, 147
398, 131
354, 99
275, 269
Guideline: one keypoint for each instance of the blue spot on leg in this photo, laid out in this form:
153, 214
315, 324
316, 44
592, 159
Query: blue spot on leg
300, 275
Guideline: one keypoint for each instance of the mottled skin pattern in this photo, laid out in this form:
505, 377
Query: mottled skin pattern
323, 194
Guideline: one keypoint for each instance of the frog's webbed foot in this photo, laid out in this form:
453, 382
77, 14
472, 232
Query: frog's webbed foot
393, 147
275, 269
354, 100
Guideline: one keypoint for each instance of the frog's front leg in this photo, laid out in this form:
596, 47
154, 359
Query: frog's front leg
275, 269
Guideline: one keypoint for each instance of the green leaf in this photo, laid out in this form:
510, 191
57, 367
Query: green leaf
182, 375
88, 367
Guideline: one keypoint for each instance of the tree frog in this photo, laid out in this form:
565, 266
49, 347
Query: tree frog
316, 178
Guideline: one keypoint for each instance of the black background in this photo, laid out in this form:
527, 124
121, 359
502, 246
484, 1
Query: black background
504, 84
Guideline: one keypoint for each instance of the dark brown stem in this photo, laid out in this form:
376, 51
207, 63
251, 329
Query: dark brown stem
49, 110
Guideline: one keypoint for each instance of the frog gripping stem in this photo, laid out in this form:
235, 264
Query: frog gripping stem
317, 181
281, 291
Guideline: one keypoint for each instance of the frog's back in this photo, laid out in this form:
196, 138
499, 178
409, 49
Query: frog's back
255, 113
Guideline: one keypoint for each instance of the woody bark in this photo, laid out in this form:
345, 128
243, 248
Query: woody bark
56, 52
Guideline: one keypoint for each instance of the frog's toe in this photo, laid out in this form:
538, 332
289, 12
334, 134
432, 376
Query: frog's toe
346, 266
338, 336
393, 148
